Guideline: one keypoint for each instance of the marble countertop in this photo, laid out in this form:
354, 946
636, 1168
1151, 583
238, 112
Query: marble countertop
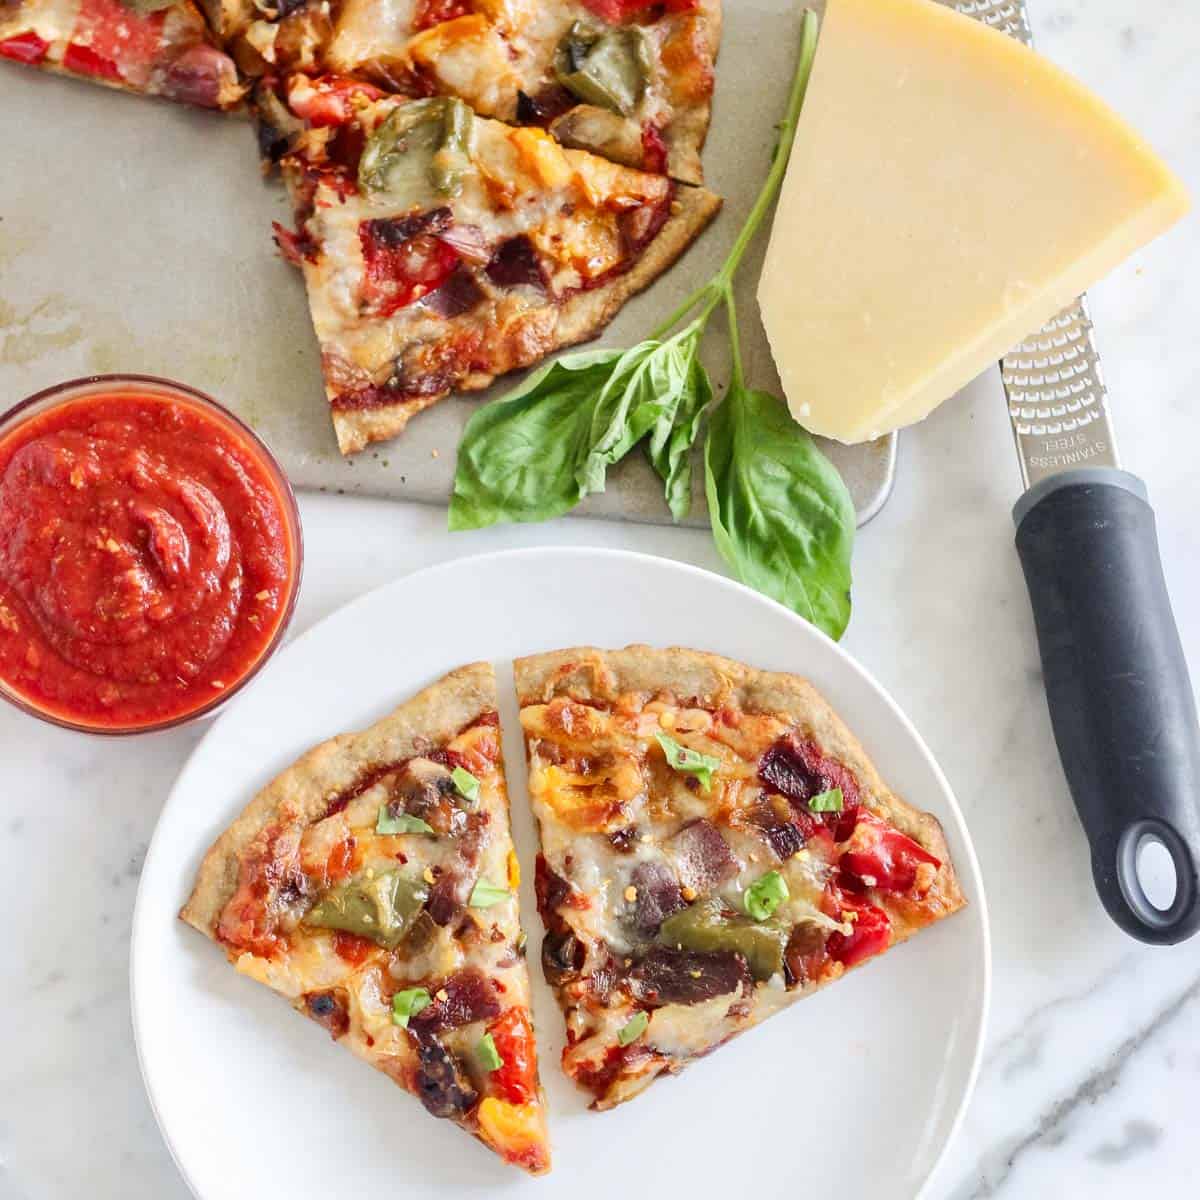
1092, 1068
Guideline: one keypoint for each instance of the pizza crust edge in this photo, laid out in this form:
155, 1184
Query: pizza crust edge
301, 792
713, 679
581, 318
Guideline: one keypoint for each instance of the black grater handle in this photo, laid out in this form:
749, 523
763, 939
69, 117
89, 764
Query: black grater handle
1121, 702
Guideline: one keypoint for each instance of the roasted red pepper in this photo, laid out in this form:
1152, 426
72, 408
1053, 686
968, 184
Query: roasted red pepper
398, 271
83, 60
516, 1078
340, 863
654, 149
25, 48
621, 10
351, 948
880, 856
329, 100
870, 928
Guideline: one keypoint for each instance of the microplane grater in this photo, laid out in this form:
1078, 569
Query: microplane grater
1120, 699
1057, 400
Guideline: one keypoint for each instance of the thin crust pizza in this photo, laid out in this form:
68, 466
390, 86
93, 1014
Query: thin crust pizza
627, 79
441, 249
373, 884
155, 47
715, 844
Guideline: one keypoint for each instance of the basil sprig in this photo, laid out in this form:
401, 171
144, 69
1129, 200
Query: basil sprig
780, 513
781, 516
535, 453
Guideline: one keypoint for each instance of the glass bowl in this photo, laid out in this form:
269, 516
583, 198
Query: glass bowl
74, 390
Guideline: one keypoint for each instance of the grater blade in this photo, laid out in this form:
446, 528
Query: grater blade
1057, 400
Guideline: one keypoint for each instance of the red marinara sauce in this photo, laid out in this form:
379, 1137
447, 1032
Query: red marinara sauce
149, 554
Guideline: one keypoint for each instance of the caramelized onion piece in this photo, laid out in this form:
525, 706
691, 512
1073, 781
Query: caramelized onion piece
668, 976
658, 896
442, 1085
702, 856
463, 998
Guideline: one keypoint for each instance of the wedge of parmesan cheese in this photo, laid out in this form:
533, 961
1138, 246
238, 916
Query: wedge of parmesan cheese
949, 191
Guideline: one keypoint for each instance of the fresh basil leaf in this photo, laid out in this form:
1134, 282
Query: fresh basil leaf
633, 1028
485, 894
830, 801
646, 385
488, 1055
520, 456
535, 453
688, 761
781, 516
465, 784
765, 895
674, 433
407, 1004
400, 823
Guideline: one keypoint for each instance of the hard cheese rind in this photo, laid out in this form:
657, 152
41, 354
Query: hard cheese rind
949, 191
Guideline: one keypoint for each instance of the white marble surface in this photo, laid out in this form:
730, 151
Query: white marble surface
1092, 1073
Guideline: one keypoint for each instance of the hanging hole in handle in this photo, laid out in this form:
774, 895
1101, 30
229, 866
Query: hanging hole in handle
1153, 870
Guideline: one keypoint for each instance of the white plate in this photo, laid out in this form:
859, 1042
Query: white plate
855, 1092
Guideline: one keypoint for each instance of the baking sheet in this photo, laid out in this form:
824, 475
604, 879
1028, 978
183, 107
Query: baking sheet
135, 236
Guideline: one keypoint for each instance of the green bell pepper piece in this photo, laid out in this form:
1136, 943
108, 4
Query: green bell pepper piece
382, 909
708, 927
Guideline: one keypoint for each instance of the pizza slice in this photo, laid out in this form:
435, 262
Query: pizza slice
155, 47
441, 249
627, 79
715, 844
373, 884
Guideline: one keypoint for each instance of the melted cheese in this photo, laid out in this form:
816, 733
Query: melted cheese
370, 29
520, 183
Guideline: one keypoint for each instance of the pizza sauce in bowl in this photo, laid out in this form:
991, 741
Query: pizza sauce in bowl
150, 554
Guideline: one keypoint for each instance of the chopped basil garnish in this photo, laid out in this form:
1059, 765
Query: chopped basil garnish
466, 784
484, 894
400, 823
765, 895
830, 801
688, 761
633, 1028
407, 1004
487, 1053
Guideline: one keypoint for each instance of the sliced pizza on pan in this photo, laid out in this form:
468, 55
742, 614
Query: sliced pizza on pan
715, 844
441, 249
373, 884
627, 79
156, 47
